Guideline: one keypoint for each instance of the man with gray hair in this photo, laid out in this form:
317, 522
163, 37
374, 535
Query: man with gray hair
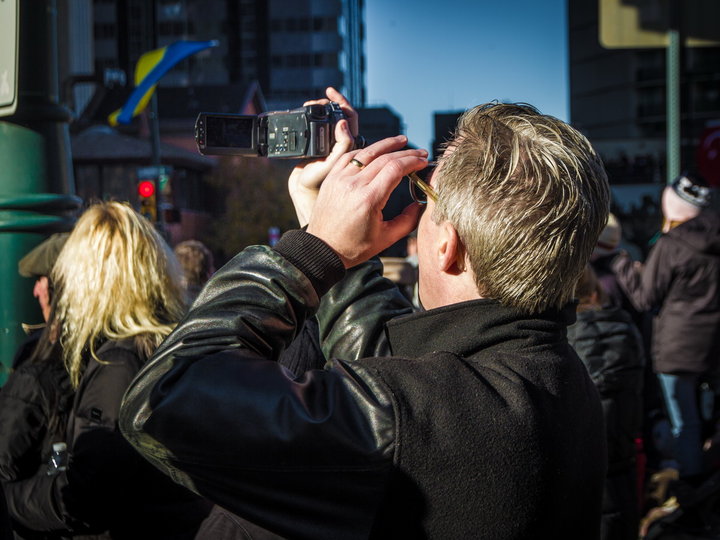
472, 419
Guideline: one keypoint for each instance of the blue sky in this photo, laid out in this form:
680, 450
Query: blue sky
433, 56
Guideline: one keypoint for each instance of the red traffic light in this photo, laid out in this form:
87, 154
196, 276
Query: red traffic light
146, 188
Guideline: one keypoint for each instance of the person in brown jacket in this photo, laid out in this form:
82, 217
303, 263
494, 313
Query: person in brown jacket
680, 283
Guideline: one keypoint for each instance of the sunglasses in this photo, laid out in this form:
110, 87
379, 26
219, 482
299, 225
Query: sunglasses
420, 190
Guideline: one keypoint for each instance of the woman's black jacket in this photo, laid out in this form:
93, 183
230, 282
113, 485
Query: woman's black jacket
610, 346
108, 486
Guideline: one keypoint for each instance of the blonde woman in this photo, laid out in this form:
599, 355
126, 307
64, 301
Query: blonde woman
117, 295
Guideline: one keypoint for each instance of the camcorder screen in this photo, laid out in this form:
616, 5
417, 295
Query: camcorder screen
229, 132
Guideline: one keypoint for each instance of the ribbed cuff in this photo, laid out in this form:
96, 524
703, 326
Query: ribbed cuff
312, 257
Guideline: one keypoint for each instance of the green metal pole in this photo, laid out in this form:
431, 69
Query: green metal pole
673, 60
36, 181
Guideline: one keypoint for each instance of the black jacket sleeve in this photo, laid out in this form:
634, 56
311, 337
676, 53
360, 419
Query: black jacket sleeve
33, 414
353, 313
350, 322
301, 457
23, 424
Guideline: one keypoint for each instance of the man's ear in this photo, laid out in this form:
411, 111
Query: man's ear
451, 252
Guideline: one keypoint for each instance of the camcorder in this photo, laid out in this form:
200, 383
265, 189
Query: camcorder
306, 132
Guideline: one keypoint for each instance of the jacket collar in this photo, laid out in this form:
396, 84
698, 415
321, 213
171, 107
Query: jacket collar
469, 327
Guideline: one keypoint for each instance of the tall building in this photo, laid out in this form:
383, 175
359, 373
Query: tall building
293, 49
272, 55
445, 124
618, 98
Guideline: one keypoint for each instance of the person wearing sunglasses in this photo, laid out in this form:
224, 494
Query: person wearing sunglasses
475, 419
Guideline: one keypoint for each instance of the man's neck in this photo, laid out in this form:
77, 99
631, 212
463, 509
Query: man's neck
450, 289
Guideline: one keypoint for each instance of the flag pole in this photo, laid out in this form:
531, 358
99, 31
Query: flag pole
156, 159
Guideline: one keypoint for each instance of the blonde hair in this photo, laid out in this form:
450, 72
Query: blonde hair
115, 278
528, 196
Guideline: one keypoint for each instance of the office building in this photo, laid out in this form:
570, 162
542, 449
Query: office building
618, 96
293, 49
271, 55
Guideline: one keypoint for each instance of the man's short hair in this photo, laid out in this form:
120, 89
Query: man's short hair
196, 261
528, 197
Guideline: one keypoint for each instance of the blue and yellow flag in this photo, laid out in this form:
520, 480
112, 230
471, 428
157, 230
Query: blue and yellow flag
149, 70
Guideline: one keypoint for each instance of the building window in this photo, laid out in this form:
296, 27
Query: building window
330, 59
650, 65
170, 10
174, 28
136, 12
703, 60
325, 24
104, 31
706, 96
304, 24
651, 102
101, 64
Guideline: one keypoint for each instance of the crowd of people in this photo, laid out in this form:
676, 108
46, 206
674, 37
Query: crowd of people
297, 392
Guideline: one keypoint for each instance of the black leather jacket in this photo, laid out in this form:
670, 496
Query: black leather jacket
325, 434
488, 425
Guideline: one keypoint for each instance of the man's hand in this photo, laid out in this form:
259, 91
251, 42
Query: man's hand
348, 211
306, 178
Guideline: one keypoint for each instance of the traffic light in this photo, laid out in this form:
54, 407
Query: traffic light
146, 195
168, 212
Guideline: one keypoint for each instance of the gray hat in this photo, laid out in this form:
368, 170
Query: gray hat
692, 189
40, 261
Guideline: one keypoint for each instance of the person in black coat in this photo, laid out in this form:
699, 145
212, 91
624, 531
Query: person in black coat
610, 346
36, 399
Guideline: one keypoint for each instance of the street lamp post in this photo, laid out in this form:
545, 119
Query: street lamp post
36, 181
